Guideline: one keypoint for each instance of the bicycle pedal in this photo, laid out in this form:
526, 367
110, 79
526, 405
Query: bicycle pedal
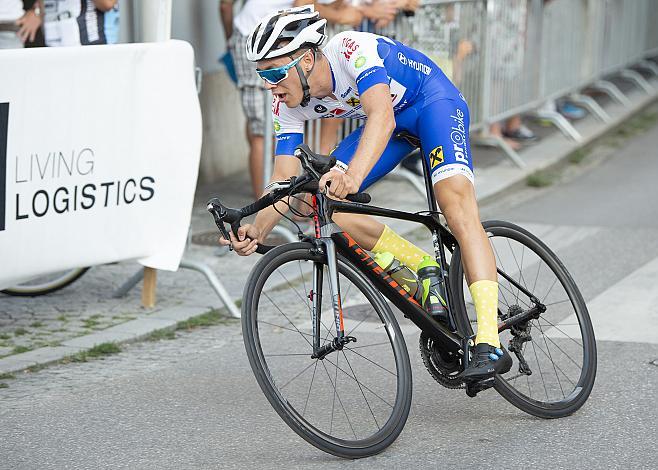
473, 388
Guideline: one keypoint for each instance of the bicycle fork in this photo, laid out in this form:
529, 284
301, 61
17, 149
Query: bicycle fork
327, 244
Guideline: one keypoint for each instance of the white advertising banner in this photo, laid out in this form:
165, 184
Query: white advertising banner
99, 155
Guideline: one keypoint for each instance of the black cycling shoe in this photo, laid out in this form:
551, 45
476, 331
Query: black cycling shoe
487, 361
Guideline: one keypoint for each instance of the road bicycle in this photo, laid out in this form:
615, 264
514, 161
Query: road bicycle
328, 351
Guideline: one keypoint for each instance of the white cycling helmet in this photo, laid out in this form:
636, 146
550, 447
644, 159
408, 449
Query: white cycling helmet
298, 27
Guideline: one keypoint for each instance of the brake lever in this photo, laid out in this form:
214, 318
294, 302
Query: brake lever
220, 224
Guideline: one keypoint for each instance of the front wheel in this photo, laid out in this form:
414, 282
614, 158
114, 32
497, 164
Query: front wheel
355, 401
554, 353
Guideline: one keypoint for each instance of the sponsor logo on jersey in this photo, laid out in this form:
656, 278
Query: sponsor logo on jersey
436, 157
423, 68
347, 92
365, 74
320, 109
458, 137
277, 125
349, 46
360, 62
353, 102
276, 106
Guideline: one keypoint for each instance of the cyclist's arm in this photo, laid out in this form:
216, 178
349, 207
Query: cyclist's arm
378, 107
336, 12
285, 166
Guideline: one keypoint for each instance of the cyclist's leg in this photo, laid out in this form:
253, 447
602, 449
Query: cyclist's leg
443, 129
367, 231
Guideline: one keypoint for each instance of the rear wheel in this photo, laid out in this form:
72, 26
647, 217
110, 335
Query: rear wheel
354, 402
46, 284
555, 353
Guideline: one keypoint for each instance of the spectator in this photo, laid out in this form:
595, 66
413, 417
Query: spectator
80, 22
251, 89
18, 26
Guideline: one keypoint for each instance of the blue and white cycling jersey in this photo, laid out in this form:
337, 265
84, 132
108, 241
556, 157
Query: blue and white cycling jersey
425, 103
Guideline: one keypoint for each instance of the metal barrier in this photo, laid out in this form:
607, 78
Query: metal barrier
509, 57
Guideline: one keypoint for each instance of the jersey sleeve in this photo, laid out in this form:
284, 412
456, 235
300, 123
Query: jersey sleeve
288, 128
360, 60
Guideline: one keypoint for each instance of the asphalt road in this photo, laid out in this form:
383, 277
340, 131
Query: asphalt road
192, 402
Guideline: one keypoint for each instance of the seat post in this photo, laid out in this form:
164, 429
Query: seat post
429, 189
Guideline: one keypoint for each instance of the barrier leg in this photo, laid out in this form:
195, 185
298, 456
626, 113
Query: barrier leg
648, 65
129, 284
285, 233
215, 283
148, 288
561, 123
591, 105
612, 91
496, 141
639, 80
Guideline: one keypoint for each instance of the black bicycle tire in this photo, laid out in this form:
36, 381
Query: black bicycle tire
553, 262
399, 415
18, 293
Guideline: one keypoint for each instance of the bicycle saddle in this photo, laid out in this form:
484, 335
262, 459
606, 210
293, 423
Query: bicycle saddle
412, 139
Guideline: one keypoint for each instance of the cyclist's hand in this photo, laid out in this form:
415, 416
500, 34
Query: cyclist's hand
342, 184
247, 240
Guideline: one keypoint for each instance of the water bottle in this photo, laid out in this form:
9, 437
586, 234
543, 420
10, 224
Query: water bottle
432, 286
400, 274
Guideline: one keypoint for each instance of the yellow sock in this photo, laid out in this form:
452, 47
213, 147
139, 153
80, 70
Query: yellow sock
485, 298
406, 252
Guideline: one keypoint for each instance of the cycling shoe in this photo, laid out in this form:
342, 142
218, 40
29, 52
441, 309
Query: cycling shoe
486, 361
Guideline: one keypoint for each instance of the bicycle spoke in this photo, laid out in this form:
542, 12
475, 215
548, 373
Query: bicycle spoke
558, 329
304, 301
541, 375
361, 390
286, 317
539, 265
339, 401
287, 329
310, 387
304, 370
362, 384
561, 350
551, 359
558, 367
367, 345
372, 362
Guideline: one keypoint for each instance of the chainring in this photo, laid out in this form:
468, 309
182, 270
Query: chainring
442, 366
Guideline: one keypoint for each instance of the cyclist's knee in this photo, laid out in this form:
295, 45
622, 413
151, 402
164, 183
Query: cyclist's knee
456, 197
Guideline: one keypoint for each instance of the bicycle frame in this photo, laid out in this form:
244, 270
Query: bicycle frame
332, 240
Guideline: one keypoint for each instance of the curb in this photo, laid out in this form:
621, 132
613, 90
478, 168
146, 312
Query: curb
168, 319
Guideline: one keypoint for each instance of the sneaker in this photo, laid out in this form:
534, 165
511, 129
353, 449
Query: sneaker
522, 134
413, 164
571, 111
486, 361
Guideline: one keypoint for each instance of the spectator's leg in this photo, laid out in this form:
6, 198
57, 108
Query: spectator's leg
256, 162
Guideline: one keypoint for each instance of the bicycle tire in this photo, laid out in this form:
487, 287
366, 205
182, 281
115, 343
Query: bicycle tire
585, 382
350, 449
27, 290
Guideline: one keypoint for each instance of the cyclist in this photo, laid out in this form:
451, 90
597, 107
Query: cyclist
393, 88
